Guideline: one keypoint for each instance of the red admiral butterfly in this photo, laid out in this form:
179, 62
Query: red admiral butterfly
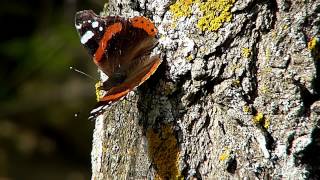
121, 48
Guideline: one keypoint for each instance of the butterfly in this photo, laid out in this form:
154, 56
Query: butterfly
121, 48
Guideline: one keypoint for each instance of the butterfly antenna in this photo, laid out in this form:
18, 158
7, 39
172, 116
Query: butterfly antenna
83, 73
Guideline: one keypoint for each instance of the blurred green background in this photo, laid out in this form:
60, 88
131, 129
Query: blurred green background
44, 130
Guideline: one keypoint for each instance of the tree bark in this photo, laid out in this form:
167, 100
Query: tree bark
237, 94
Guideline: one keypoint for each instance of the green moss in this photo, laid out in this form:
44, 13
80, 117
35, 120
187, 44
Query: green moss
163, 152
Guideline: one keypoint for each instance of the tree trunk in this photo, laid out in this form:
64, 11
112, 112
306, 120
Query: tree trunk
237, 94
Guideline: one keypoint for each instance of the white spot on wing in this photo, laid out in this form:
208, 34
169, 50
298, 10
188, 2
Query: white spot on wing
89, 21
95, 24
100, 28
96, 110
85, 38
79, 26
103, 76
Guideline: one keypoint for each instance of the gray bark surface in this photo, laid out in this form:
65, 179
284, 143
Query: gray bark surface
242, 101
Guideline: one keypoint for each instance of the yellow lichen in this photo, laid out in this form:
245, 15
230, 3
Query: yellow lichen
264, 89
312, 43
260, 120
104, 148
268, 54
173, 25
189, 58
314, 47
266, 123
225, 155
246, 109
273, 34
265, 72
246, 52
169, 88
164, 152
236, 82
235, 67
182, 8
215, 13
99, 93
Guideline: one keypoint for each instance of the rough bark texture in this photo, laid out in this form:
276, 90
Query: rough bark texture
237, 94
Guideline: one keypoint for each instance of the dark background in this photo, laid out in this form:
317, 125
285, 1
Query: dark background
44, 131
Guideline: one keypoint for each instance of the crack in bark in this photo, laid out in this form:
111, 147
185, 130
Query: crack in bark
205, 124
307, 98
208, 87
253, 94
309, 156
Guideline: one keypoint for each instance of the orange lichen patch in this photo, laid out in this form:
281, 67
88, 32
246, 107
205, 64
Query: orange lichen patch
110, 31
164, 152
145, 24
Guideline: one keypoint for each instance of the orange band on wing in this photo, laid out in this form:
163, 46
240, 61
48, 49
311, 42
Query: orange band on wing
151, 71
110, 31
114, 97
145, 24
